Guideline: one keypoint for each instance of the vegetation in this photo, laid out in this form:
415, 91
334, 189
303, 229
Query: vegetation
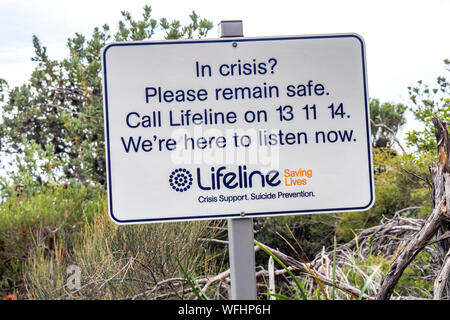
387, 119
428, 102
58, 116
42, 235
54, 216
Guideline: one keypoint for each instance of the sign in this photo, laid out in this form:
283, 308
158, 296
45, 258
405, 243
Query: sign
205, 129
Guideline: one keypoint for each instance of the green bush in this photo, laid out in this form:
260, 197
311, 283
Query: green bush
401, 181
119, 262
308, 233
30, 222
43, 234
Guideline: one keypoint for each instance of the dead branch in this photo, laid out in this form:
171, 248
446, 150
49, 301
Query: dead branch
300, 266
220, 277
213, 240
223, 280
424, 179
384, 238
390, 131
442, 278
409, 252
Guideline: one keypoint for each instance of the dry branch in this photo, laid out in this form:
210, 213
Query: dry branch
384, 238
382, 125
409, 252
442, 278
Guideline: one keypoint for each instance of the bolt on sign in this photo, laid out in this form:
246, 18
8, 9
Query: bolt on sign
205, 129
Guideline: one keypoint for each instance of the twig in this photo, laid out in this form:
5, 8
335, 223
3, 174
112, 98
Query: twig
399, 212
213, 241
390, 130
127, 265
418, 177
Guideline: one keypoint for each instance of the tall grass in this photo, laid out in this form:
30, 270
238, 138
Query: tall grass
35, 223
298, 284
47, 233
363, 274
41, 236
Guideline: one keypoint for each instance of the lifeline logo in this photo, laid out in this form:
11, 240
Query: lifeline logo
181, 179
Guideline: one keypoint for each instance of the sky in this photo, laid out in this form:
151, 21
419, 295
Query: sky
406, 40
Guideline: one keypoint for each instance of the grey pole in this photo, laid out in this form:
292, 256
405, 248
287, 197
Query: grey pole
240, 230
242, 259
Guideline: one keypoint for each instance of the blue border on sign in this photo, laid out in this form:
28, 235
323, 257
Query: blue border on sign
236, 215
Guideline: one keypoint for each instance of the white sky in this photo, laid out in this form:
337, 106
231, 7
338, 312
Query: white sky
407, 40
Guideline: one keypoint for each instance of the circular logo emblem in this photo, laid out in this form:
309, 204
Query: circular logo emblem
180, 180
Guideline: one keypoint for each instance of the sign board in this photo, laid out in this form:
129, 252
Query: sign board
205, 129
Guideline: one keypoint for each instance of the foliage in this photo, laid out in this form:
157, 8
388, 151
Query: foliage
298, 284
385, 115
427, 103
59, 112
3, 88
31, 222
125, 261
312, 232
43, 234
401, 181
30, 166
356, 268
413, 282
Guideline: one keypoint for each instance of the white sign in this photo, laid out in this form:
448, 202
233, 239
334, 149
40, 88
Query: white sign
204, 129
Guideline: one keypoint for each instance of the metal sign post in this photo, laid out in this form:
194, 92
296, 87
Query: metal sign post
240, 230
242, 259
